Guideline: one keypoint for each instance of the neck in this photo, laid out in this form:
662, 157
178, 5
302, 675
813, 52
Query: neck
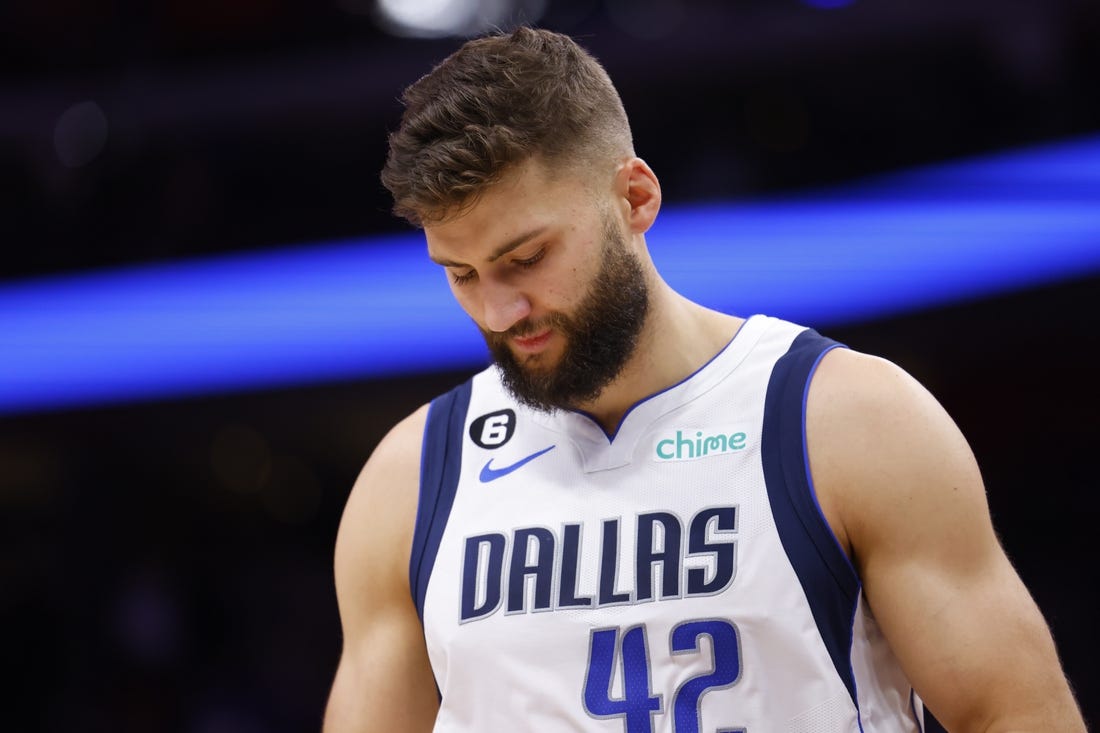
678, 338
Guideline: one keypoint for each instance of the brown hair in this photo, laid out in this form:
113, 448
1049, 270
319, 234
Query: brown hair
494, 103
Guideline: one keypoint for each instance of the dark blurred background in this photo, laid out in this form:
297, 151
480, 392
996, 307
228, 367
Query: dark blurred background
167, 565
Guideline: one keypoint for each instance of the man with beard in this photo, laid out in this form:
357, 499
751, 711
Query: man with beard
597, 338
648, 515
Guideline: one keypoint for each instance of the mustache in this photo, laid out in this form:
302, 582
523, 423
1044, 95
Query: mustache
523, 329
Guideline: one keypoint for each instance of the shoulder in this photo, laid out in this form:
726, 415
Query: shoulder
857, 401
883, 452
384, 679
852, 390
902, 490
375, 535
397, 456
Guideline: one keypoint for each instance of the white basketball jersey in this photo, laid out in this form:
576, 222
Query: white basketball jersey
675, 576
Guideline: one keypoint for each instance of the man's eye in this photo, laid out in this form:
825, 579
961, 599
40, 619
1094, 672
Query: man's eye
532, 260
463, 278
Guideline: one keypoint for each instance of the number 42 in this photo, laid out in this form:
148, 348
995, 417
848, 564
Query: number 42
638, 705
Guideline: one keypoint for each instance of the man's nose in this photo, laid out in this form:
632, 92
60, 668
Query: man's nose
504, 306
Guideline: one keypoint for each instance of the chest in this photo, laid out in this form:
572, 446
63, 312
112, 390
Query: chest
532, 531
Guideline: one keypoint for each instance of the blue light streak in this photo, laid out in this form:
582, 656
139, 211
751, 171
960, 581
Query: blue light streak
828, 4
377, 308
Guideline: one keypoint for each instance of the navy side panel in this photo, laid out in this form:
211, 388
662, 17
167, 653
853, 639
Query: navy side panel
440, 463
827, 577
931, 725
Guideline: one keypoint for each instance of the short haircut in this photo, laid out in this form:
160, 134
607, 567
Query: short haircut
496, 102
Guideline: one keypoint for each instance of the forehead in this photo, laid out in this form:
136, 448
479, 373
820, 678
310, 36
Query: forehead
528, 197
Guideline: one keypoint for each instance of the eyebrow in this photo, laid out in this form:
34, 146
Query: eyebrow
500, 251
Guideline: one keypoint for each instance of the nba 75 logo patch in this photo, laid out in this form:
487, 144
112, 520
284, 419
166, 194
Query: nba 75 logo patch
493, 429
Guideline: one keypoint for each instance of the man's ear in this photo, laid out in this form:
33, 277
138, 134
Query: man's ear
638, 187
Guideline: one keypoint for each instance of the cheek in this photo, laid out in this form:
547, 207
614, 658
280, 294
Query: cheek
573, 288
466, 300
563, 287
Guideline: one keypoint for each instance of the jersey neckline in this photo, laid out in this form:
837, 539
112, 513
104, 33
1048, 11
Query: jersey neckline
602, 451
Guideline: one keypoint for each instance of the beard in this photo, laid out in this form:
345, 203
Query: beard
600, 335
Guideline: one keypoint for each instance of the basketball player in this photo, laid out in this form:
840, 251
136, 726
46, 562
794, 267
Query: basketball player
647, 515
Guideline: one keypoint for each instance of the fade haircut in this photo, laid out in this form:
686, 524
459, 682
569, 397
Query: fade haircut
496, 102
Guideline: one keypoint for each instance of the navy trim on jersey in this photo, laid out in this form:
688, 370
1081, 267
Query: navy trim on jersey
931, 725
440, 464
824, 571
913, 709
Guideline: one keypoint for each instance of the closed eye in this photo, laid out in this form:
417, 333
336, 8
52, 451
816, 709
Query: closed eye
466, 277
463, 278
532, 260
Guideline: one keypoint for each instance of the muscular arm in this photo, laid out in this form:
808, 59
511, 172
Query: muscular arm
900, 486
384, 682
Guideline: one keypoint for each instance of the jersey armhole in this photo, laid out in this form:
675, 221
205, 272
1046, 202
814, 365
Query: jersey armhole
440, 465
827, 577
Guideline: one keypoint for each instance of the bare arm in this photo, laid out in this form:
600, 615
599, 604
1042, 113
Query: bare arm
384, 681
901, 488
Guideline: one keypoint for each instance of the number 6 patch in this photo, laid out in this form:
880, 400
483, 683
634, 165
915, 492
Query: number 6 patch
494, 429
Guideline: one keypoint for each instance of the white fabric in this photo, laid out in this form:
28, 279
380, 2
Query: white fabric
527, 669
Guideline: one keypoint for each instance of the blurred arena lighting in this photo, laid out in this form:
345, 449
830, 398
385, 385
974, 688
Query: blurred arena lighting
441, 18
80, 134
828, 4
378, 308
646, 19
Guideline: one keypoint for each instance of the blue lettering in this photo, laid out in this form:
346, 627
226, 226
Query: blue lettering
472, 573
542, 569
544, 573
725, 519
570, 564
668, 557
609, 565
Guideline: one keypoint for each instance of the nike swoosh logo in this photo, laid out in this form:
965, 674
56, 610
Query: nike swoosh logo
488, 473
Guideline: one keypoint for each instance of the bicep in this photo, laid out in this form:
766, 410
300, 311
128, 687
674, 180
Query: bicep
908, 498
384, 680
970, 638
